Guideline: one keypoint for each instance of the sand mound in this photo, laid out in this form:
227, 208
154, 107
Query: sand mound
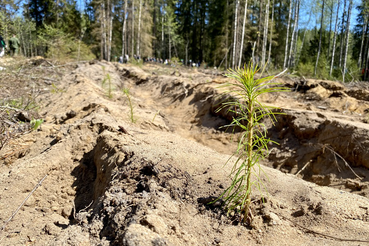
112, 180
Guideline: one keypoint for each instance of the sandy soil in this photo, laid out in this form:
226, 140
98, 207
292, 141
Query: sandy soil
113, 178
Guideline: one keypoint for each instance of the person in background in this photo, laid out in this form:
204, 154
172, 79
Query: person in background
2, 46
14, 45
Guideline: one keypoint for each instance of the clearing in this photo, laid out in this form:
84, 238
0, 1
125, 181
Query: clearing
139, 168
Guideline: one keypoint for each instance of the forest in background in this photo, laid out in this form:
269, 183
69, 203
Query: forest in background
311, 38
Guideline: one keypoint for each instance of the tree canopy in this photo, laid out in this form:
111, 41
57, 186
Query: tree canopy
323, 38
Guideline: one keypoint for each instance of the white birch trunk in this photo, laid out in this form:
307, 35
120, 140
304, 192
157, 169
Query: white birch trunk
271, 34
139, 30
296, 34
330, 29
124, 29
265, 36
347, 40
169, 44
293, 35
334, 39
342, 35
226, 34
109, 10
162, 34
235, 34
288, 33
320, 39
102, 31
133, 28
243, 34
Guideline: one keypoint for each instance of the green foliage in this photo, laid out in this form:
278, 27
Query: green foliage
126, 92
306, 69
63, 46
135, 62
107, 78
253, 143
174, 61
110, 95
36, 123
22, 103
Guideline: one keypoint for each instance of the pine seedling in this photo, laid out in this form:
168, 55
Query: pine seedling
253, 144
126, 92
110, 95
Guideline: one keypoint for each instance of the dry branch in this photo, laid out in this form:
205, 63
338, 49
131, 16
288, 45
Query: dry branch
24, 201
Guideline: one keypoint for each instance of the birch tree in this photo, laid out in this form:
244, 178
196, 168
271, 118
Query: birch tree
347, 41
342, 33
243, 34
265, 36
109, 20
287, 35
320, 39
124, 44
133, 29
102, 32
334, 39
293, 33
139, 29
271, 33
235, 34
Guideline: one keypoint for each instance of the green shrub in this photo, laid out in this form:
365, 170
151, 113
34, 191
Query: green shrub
63, 46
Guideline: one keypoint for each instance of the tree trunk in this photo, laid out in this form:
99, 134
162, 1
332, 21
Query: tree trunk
187, 52
347, 40
105, 57
257, 51
366, 63
287, 35
227, 36
139, 29
102, 32
271, 34
330, 29
359, 63
133, 28
169, 44
124, 30
253, 53
342, 33
154, 28
235, 34
162, 34
265, 36
243, 34
109, 17
293, 34
296, 34
334, 39
366, 53
320, 39
303, 41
